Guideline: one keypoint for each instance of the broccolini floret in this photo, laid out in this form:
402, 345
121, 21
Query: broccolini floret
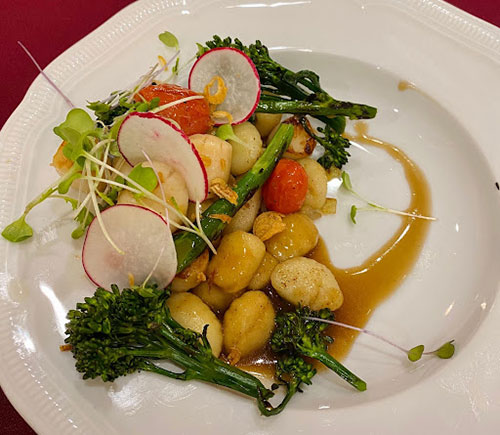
297, 336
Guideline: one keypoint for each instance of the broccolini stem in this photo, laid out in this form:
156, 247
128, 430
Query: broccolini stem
267, 410
338, 368
202, 367
325, 106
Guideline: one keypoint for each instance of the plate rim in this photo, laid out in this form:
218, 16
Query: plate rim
444, 16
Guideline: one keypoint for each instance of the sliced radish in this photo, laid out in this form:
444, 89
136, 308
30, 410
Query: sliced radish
240, 77
146, 241
161, 140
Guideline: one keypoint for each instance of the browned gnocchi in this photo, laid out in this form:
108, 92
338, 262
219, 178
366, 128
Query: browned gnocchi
238, 257
303, 281
191, 312
248, 324
298, 238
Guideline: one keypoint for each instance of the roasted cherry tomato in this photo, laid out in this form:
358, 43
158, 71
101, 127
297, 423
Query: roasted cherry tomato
192, 116
285, 190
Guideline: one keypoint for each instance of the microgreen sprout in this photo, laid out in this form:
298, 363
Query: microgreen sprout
45, 76
446, 351
372, 206
226, 132
169, 39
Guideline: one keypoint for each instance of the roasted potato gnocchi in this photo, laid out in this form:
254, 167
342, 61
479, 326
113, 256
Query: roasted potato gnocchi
216, 298
192, 275
248, 324
238, 257
247, 150
191, 312
316, 183
263, 275
303, 281
298, 238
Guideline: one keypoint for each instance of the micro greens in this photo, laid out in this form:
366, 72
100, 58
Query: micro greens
446, 351
169, 39
226, 132
145, 177
372, 206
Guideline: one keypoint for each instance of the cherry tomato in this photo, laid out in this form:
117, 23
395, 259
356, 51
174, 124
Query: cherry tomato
192, 116
285, 190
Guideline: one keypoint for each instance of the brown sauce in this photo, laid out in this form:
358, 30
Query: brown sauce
369, 284
404, 85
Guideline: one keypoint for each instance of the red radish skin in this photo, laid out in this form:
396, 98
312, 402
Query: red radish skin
163, 141
135, 230
196, 84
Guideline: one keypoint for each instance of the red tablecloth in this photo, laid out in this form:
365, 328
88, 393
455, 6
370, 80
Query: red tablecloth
63, 23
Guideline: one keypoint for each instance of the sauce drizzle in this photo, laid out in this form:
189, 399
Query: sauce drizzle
367, 285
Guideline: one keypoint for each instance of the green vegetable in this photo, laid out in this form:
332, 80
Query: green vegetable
107, 113
189, 245
286, 91
113, 334
415, 353
298, 336
169, 39
145, 177
291, 371
18, 230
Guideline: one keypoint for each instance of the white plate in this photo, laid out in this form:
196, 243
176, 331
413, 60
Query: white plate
361, 50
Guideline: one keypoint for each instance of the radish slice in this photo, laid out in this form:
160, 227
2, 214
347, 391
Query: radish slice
240, 77
162, 141
144, 237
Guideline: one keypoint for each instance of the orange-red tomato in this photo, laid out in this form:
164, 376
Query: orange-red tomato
285, 190
192, 116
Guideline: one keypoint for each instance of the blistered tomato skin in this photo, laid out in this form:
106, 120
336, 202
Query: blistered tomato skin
285, 190
192, 116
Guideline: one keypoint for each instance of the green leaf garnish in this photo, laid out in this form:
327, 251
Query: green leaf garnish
446, 351
66, 184
354, 210
346, 180
226, 132
145, 177
169, 39
415, 353
18, 230
77, 120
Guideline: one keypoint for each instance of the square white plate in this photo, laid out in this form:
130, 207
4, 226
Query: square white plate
361, 50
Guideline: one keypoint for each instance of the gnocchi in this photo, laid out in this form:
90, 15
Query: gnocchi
263, 275
298, 238
303, 281
216, 298
243, 220
248, 324
246, 152
238, 257
192, 275
266, 122
191, 312
316, 183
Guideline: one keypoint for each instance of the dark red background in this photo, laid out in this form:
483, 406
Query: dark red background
63, 23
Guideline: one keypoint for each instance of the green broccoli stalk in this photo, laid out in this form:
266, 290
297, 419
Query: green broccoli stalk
115, 333
291, 371
286, 91
296, 335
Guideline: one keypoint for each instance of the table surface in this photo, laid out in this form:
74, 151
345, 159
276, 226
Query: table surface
64, 23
